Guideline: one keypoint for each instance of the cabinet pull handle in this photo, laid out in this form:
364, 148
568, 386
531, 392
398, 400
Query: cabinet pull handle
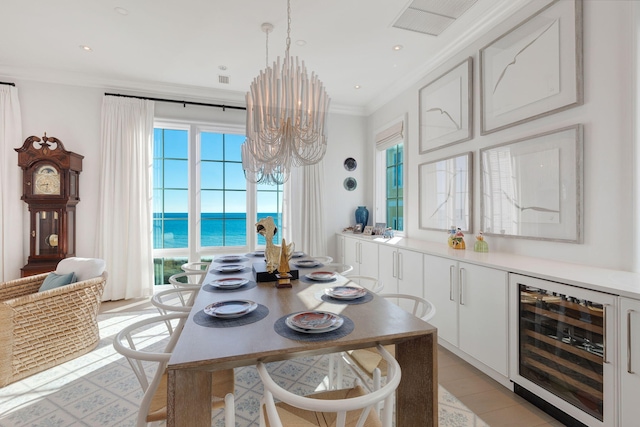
400, 265
629, 367
451, 267
394, 271
460, 285
604, 334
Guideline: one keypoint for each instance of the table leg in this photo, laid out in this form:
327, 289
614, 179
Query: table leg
188, 398
417, 394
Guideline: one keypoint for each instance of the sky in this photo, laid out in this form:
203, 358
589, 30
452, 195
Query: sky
173, 145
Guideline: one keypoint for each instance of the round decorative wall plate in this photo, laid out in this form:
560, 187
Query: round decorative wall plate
350, 164
350, 184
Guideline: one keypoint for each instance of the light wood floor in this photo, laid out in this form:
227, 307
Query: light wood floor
492, 402
495, 404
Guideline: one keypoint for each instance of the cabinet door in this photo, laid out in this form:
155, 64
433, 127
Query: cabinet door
483, 313
388, 269
410, 277
368, 259
630, 361
352, 253
440, 275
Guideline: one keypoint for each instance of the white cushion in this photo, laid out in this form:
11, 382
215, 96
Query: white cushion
85, 268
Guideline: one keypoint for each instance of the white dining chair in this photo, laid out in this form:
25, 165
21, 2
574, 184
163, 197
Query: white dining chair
324, 259
195, 267
367, 360
339, 408
368, 282
337, 267
187, 279
336, 365
174, 300
147, 346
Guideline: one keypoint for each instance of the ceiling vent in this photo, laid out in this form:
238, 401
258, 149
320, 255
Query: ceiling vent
431, 16
223, 79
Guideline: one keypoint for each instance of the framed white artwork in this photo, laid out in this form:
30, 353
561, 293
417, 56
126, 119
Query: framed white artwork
533, 70
532, 187
445, 193
445, 108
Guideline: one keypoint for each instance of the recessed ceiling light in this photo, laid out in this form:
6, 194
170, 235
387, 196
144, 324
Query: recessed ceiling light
357, 86
397, 47
121, 10
222, 67
301, 42
85, 48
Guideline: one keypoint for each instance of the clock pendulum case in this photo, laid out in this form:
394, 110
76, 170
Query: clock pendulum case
50, 187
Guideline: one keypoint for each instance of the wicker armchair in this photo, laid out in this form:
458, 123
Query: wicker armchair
40, 330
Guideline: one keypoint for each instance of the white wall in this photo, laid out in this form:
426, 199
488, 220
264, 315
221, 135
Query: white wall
607, 115
72, 114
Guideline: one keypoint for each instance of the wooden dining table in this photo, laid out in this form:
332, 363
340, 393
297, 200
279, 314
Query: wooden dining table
202, 349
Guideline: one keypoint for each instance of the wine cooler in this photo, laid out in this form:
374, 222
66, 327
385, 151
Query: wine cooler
560, 354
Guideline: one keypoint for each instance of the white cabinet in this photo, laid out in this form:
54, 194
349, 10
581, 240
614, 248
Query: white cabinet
401, 271
471, 304
629, 361
362, 255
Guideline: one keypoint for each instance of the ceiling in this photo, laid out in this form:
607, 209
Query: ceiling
183, 47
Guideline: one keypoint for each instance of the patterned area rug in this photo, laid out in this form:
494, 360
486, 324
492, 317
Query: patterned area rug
99, 389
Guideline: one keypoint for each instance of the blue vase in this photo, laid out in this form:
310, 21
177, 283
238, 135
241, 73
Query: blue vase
362, 216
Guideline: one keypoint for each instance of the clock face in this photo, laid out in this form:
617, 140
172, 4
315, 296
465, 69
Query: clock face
46, 180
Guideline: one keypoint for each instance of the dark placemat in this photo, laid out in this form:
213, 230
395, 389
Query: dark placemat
245, 287
240, 258
364, 299
304, 279
207, 321
282, 329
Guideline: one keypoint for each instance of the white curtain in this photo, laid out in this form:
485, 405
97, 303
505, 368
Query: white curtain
303, 209
124, 223
11, 207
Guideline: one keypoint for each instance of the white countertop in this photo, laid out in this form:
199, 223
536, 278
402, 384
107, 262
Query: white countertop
616, 282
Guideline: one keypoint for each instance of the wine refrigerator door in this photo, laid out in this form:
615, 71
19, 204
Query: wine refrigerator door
563, 347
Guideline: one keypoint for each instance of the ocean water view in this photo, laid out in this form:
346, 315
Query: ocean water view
217, 229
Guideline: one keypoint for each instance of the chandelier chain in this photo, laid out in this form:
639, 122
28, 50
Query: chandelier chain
288, 28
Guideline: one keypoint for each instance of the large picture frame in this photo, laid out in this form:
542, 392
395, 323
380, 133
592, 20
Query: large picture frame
532, 187
445, 108
533, 70
445, 193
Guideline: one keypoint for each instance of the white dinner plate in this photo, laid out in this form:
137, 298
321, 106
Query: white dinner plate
346, 292
257, 253
322, 276
314, 322
297, 254
230, 268
230, 283
306, 263
230, 309
229, 258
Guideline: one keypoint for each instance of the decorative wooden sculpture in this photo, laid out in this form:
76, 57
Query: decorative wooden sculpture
284, 278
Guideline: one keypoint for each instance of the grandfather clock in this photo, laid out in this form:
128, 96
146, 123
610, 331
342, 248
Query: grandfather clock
50, 181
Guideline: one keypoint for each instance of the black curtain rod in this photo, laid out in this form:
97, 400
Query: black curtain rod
184, 103
8, 84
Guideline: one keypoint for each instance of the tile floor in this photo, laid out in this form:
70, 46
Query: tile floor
488, 399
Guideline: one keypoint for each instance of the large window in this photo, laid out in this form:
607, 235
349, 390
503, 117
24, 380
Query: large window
389, 193
394, 169
202, 203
